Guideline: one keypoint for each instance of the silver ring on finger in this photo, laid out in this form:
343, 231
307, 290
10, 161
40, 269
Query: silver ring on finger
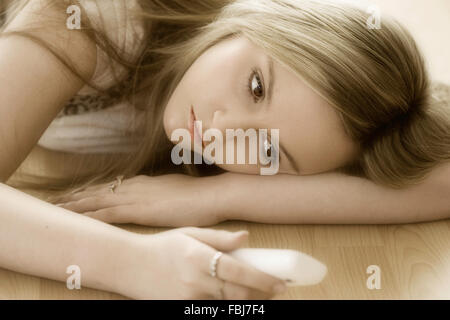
213, 264
115, 184
213, 273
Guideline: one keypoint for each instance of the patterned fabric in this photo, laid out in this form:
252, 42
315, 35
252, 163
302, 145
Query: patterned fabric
84, 103
127, 34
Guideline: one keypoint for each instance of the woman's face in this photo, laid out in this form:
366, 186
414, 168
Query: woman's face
235, 85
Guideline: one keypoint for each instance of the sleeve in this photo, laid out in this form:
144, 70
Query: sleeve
128, 33
96, 132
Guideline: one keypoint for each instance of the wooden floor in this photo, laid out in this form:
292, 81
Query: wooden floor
414, 259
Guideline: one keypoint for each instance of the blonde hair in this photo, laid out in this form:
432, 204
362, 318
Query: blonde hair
374, 78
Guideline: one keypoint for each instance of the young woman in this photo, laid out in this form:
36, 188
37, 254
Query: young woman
363, 138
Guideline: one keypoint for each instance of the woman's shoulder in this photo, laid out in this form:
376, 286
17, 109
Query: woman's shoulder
113, 17
126, 32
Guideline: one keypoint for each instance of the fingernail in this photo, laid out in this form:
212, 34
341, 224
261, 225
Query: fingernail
242, 232
279, 288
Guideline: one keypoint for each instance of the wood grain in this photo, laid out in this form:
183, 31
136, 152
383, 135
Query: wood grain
414, 259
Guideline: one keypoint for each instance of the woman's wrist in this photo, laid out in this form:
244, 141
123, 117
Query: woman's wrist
136, 267
224, 194
125, 253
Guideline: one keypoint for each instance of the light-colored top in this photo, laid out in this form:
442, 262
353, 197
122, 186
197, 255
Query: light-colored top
89, 122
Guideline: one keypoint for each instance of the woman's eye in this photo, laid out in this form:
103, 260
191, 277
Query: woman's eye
255, 86
270, 152
268, 148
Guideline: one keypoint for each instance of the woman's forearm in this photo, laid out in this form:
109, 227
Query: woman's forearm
332, 198
41, 239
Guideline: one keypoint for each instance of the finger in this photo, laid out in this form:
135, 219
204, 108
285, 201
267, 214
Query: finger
89, 191
101, 186
74, 197
218, 239
232, 291
219, 289
233, 270
119, 214
85, 194
208, 287
230, 269
94, 203
130, 213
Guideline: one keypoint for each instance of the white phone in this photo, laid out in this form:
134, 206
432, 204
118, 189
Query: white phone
294, 267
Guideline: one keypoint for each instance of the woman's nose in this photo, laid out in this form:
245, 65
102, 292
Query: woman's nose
216, 116
224, 118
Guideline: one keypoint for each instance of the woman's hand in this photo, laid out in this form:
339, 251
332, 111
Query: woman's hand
175, 265
173, 200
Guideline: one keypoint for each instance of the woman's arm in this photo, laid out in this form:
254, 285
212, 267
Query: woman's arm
34, 84
333, 198
35, 237
328, 198
40, 239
